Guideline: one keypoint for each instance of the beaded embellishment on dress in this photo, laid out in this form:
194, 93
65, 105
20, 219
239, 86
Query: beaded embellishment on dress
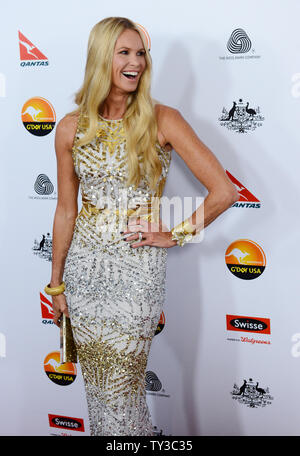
114, 293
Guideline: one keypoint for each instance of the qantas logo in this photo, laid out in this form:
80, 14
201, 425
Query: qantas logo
246, 199
30, 55
47, 310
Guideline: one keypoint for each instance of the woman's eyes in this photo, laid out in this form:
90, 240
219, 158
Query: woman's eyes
139, 53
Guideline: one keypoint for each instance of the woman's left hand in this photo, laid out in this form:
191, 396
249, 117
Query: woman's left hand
154, 234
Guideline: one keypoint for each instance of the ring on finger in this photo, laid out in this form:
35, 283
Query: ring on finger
140, 236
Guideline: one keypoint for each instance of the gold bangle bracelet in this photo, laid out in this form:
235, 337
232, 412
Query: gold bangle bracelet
183, 233
54, 291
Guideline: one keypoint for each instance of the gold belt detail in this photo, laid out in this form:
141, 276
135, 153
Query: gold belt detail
146, 211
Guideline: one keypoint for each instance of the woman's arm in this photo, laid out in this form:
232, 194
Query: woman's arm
201, 161
67, 207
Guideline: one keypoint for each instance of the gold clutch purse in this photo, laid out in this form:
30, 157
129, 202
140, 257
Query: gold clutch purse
68, 352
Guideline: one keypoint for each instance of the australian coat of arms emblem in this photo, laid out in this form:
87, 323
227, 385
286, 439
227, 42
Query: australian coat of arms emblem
251, 394
43, 248
241, 118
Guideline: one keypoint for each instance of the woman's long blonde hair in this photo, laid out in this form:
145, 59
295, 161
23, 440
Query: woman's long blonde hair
139, 120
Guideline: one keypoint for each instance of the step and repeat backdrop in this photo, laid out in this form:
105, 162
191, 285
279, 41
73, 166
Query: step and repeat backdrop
225, 359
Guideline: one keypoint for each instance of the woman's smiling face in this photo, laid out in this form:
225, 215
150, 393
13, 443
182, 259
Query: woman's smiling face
129, 61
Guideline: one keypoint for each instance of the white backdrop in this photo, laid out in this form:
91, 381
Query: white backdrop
198, 364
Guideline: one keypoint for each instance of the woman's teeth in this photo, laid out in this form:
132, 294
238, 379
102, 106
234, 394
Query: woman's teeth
130, 74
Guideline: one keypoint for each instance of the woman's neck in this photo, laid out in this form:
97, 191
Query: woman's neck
114, 106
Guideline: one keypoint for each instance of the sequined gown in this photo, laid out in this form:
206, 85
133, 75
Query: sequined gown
115, 293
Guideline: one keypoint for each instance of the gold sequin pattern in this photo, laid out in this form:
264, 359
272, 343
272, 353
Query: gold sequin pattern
115, 293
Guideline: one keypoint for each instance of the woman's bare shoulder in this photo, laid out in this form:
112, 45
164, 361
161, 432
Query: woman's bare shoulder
66, 129
164, 112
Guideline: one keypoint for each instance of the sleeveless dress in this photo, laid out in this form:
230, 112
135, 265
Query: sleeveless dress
115, 293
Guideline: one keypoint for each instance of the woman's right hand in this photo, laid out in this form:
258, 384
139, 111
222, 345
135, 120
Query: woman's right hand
59, 304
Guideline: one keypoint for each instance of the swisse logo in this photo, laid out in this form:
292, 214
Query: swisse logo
249, 324
66, 422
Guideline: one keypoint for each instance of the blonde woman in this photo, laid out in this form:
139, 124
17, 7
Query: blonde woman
113, 261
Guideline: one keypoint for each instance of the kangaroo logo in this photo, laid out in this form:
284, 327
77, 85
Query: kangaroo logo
244, 193
28, 48
55, 365
251, 395
32, 112
30, 53
238, 254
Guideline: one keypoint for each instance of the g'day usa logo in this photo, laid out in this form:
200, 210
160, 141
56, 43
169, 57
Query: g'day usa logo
38, 116
61, 374
245, 259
